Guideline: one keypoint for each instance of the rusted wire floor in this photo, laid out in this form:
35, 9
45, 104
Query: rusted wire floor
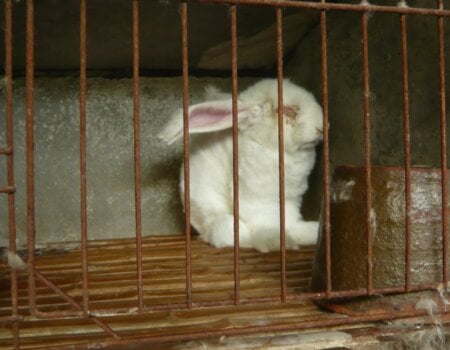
112, 285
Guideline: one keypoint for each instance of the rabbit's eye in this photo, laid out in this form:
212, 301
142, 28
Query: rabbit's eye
290, 111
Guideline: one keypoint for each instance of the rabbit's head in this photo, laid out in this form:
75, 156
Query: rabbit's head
302, 115
258, 116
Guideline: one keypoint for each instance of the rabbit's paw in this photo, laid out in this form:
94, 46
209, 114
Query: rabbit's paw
222, 232
266, 239
303, 233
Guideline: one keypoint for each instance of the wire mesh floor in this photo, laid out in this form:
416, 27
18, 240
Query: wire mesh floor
112, 286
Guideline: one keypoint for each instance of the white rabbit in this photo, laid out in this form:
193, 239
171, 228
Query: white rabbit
211, 170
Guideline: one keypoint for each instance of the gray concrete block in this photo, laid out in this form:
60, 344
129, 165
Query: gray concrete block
110, 167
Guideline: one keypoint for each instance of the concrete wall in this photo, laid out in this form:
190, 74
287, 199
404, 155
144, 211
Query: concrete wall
385, 75
110, 173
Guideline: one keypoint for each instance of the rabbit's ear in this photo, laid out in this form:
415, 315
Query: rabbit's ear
214, 115
204, 117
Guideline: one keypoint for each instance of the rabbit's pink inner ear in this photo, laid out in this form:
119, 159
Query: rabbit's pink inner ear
206, 117
213, 116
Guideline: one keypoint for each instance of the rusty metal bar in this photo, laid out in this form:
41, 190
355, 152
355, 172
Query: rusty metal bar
31, 234
334, 6
137, 156
407, 141
258, 300
11, 318
59, 314
279, 14
307, 296
29, 86
234, 92
367, 151
186, 151
326, 149
10, 166
61, 294
7, 150
69, 300
83, 170
240, 331
444, 177
8, 189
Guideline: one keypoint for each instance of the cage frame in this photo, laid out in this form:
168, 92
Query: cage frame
82, 309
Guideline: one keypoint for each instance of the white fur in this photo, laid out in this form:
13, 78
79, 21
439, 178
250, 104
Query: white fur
211, 187
15, 261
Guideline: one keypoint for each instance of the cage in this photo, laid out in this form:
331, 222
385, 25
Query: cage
98, 249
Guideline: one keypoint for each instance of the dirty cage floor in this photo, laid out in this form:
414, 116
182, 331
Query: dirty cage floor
112, 285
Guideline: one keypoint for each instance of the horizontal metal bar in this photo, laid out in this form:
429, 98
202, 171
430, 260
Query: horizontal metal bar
8, 189
229, 302
334, 6
246, 301
11, 318
6, 151
48, 315
238, 331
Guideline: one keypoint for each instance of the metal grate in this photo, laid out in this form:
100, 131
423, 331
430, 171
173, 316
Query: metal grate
83, 308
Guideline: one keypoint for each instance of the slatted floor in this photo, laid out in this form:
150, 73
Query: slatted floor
112, 285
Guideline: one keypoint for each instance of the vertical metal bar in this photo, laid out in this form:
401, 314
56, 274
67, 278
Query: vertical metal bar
279, 14
407, 141
234, 91
10, 165
137, 156
187, 207
326, 148
443, 146
31, 229
367, 151
83, 185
